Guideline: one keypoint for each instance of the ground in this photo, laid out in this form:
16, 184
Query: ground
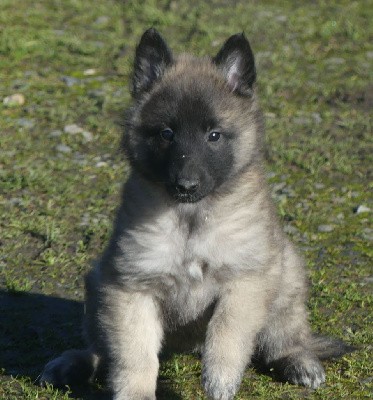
61, 168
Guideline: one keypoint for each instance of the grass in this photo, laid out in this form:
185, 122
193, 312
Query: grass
315, 63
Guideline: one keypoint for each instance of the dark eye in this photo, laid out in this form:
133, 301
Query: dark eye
214, 137
167, 135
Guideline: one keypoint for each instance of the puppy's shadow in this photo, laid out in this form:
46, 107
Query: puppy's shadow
35, 328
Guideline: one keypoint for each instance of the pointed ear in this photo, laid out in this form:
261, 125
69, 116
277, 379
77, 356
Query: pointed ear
236, 60
152, 58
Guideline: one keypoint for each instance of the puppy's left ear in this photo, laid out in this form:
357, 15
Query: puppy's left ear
236, 60
151, 60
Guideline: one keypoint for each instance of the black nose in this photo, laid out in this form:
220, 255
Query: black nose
187, 186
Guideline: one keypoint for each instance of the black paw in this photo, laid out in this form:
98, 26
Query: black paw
73, 367
300, 369
55, 373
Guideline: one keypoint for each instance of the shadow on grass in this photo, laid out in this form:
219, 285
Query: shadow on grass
35, 328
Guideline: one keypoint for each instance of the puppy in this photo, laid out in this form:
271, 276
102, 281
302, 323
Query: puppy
197, 258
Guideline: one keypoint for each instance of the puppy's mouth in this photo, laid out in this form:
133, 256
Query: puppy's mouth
186, 198
182, 196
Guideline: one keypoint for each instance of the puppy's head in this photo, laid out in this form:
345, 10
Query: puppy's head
194, 123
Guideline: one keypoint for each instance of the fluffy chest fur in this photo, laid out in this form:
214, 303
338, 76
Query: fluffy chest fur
189, 252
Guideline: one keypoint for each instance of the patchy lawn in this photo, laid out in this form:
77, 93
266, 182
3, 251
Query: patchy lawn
61, 170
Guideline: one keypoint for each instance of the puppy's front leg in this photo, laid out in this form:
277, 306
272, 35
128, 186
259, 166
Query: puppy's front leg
238, 317
132, 331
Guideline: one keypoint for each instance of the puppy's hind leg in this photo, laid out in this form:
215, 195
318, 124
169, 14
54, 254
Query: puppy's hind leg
71, 368
80, 366
284, 348
284, 343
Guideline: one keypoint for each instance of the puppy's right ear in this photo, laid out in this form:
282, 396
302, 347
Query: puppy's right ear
151, 60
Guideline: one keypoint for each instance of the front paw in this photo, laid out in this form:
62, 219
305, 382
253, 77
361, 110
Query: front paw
126, 395
133, 397
219, 384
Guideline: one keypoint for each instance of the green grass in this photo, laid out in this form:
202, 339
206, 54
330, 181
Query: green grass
315, 66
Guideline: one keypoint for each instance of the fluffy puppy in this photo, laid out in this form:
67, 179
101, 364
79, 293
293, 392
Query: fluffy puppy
197, 257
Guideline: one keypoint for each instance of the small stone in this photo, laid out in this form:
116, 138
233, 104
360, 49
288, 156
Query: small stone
118, 93
102, 216
265, 14
88, 137
270, 115
81, 162
9, 153
89, 72
17, 99
301, 120
339, 200
290, 229
73, 129
79, 156
289, 192
85, 220
98, 44
303, 205
278, 187
281, 18
336, 60
55, 133
19, 84
317, 118
368, 234
101, 164
30, 74
263, 54
98, 79
96, 94
325, 228
365, 65
319, 186
63, 148
104, 19
15, 201
368, 279
362, 209
26, 123
340, 216
70, 81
